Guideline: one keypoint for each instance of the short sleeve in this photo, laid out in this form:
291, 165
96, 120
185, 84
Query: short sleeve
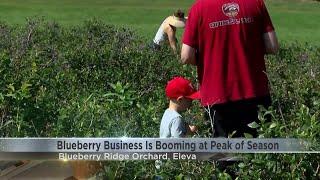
178, 128
190, 35
267, 23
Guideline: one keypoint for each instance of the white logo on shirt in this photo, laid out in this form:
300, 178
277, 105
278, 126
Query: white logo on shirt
230, 9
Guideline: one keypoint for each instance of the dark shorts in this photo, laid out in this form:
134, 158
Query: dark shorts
235, 116
155, 46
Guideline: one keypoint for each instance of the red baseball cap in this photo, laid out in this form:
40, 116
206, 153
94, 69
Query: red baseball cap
180, 86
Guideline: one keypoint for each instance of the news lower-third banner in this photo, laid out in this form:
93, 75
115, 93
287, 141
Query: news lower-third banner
102, 149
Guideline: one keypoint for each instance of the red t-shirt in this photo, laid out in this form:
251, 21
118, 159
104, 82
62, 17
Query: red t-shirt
228, 38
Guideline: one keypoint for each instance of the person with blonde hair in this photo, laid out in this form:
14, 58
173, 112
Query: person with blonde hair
167, 31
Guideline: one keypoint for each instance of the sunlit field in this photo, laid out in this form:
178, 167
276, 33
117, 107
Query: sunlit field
294, 20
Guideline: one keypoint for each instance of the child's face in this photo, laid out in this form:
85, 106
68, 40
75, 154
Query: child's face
185, 103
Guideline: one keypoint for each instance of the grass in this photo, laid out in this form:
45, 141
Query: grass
294, 20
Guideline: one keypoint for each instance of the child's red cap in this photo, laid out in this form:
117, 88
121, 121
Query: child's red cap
180, 86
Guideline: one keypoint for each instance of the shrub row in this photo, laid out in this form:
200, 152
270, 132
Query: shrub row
98, 80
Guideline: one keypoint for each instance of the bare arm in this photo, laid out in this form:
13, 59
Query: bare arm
188, 55
172, 39
271, 42
191, 129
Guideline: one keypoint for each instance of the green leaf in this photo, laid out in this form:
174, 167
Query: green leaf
233, 133
11, 87
11, 95
241, 165
247, 135
25, 86
1, 97
273, 125
112, 85
110, 94
179, 177
316, 102
254, 125
313, 120
6, 124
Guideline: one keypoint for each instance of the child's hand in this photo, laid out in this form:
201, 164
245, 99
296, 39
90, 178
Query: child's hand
193, 129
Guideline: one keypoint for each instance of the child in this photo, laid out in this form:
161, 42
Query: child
180, 93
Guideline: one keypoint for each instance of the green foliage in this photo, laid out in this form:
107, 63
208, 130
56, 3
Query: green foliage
91, 80
295, 113
292, 19
97, 80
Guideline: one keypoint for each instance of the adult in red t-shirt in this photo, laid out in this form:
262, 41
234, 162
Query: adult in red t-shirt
227, 41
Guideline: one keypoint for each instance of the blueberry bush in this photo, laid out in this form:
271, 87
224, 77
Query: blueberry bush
99, 80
